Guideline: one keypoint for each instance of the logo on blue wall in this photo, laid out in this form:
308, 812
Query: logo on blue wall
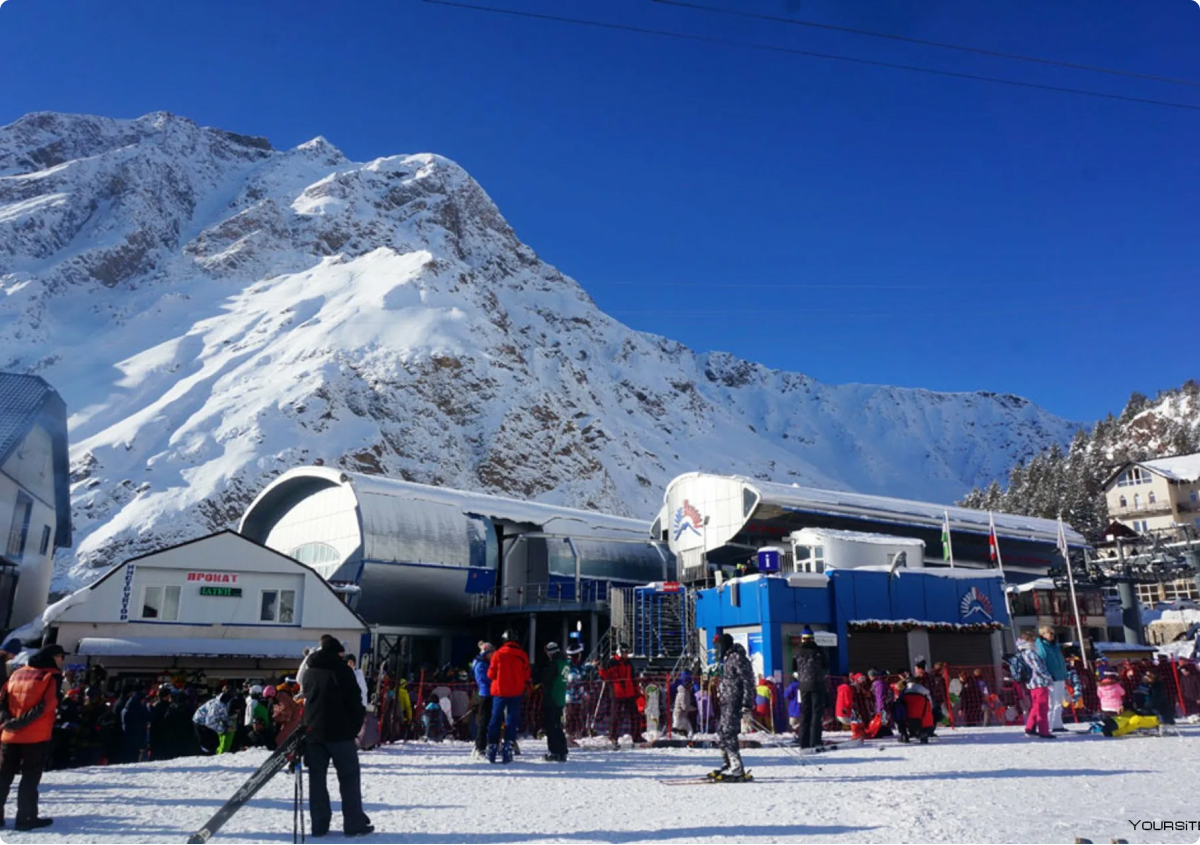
687, 518
975, 602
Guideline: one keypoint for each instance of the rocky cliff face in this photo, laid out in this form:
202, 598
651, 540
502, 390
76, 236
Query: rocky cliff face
215, 311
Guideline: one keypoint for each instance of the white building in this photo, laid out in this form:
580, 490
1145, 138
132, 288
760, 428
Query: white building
712, 520
221, 604
1158, 496
35, 502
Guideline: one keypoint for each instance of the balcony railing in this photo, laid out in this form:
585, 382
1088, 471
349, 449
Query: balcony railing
1144, 507
540, 596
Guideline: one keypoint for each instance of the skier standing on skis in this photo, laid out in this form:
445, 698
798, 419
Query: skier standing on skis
737, 697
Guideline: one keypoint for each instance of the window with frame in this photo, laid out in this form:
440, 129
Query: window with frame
18, 533
278, 606
1137, 500
1150, 498
161, 603
1134, 476
1123, 503
1194, 497
45, 544
810, 558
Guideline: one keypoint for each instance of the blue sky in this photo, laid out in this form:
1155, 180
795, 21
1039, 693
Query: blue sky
850, 222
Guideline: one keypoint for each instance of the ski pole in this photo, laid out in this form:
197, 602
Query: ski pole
596, 714
779, 743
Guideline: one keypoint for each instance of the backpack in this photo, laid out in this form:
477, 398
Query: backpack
1020, 670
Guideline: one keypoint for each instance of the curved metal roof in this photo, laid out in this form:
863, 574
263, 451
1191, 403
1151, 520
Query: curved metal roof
899, 511
377, 496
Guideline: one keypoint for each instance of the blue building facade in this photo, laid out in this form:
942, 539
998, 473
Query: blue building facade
864, 618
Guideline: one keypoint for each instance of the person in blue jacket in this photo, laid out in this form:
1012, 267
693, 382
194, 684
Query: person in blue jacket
483, 713
1051, 654
792, 695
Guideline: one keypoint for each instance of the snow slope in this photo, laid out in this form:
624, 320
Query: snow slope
976, 785
215, 311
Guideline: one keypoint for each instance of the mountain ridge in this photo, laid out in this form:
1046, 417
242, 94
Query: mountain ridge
215, 311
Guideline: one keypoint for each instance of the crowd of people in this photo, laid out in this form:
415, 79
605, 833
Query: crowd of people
54, 719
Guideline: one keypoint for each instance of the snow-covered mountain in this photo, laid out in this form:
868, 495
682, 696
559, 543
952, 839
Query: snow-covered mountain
215, 311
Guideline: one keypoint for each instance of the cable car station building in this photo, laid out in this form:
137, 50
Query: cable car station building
432, 568
868, 574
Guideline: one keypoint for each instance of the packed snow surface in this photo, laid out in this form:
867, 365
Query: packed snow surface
971, 785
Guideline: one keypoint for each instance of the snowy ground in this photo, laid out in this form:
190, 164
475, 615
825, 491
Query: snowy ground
975, 785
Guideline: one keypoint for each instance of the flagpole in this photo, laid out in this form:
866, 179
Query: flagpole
995, 541
949, 543
1062, 545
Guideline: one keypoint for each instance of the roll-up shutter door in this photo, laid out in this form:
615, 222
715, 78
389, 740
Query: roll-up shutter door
885, 650
961, 648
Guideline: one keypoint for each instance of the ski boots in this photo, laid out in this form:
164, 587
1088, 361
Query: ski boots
507, 753
491, 753
732, 777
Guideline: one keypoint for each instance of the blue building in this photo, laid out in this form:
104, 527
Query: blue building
868, 615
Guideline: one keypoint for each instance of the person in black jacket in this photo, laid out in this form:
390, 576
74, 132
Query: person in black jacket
812, 675
333, 716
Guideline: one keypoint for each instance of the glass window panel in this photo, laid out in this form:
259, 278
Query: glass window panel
170, 610
270, 600
151, 602
287, 606
803, 552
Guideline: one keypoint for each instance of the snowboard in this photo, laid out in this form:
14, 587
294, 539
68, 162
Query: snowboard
282, 756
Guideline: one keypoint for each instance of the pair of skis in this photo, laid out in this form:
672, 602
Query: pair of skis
289, 753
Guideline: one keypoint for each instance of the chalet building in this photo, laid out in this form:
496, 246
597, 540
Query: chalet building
35, 504
1158, 496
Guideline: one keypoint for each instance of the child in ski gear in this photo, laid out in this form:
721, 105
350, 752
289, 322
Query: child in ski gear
792, 694
1040, 684
684, 715
1111, 694
1152, 697
433, 720
844, 707
736, 695
651, 708
917, 707
812, 673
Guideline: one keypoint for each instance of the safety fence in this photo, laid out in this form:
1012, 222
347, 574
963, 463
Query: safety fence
965, 696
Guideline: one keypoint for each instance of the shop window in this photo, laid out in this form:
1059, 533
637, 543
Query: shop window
161, 603
278, 606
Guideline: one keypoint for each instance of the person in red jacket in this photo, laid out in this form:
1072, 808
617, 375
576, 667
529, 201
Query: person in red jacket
618, 673
28, 704
509, 673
